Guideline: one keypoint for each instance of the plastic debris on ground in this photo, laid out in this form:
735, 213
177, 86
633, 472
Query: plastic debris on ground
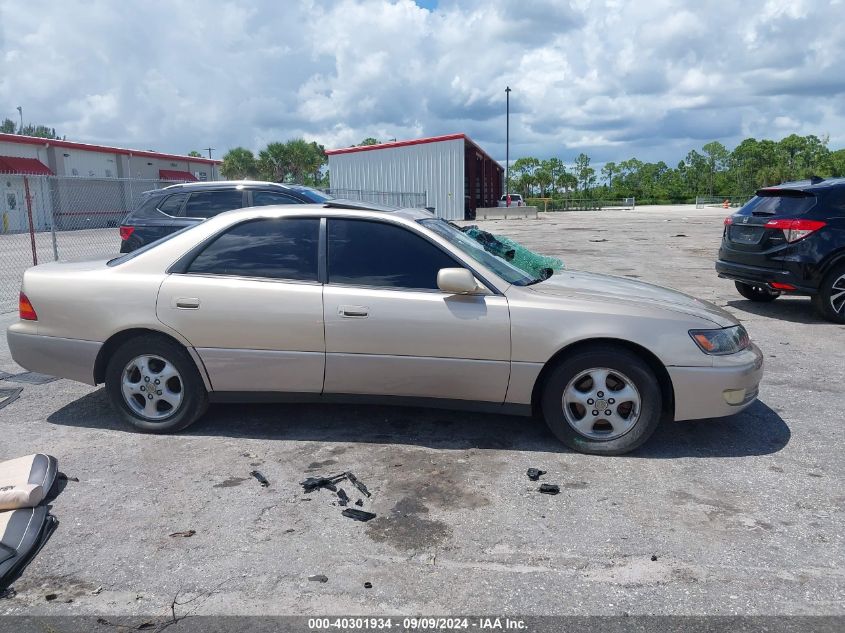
549, 489
358, 515
535, 473
536, 265
261, 478
314, 483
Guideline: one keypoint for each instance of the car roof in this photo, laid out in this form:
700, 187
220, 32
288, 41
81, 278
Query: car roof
812, 184
333, 207
228, 184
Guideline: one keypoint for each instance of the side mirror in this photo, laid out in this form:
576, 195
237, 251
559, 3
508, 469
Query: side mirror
458, 281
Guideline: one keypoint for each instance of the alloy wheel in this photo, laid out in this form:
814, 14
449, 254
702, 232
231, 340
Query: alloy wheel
152, 387
601, 403
837, 295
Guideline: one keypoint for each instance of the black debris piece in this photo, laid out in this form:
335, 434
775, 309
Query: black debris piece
653, 557
358, 515
534, 473
50, 597
64, 477
8, 396
290, 531
360, 502
342, 496
368, 585
315, 483
185, 534
357, 483
549, 489
261, 478
680, 235
319, 578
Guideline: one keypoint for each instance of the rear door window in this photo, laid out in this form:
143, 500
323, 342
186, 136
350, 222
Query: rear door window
779, 202
283, 248
206, 204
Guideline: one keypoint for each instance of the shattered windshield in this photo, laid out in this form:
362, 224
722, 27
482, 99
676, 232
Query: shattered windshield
473, 249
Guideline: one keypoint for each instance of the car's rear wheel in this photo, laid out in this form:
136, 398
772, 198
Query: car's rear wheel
756, 292
602, 400
155, 386
830, 301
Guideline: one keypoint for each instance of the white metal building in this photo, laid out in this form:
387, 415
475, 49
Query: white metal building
453, 172
51, 181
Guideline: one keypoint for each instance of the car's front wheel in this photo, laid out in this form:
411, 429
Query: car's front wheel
756, 292
602, 400
830, 301
155, 386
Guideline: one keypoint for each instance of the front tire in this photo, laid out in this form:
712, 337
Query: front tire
154, 385
830, 301
602, 401
756, 292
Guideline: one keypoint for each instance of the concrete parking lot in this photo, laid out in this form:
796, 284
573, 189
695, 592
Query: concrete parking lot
741, 515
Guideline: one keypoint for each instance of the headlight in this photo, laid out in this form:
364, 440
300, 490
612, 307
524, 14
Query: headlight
720, 342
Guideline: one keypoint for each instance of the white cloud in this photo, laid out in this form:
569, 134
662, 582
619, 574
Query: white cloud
615, 79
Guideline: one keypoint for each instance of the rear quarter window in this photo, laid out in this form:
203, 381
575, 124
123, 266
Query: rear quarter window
147, 209
779, 202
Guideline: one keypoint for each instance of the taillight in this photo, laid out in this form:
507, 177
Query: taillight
25, 309
729, 220
126, 231
795, 230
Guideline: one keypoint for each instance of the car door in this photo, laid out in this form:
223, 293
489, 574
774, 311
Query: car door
251, 304
390, 330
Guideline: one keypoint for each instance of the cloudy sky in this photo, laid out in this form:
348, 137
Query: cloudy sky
611, 78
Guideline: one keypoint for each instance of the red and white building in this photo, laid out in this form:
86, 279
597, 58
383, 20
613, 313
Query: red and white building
96, 181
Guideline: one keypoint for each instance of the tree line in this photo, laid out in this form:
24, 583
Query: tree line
295, 161
711, 171
8, 126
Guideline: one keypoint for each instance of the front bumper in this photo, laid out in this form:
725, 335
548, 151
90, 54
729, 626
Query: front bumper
63, 357
728, 387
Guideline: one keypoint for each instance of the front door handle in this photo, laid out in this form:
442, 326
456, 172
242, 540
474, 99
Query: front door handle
187, 303
353, 312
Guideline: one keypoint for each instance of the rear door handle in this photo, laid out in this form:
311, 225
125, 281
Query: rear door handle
353, 312
186, 303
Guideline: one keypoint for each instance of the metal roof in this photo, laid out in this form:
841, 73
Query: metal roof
416, 141
54, 142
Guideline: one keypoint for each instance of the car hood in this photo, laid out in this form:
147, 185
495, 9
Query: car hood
571, 283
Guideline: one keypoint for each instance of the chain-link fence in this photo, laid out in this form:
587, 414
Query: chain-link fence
389, 198
720, 201
581, 204
53, 218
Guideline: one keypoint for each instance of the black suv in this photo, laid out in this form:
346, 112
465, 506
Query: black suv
790, 239
164, 211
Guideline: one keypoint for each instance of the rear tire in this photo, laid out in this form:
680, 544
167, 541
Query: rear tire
154, 385
830, 301
628, 405
756, 292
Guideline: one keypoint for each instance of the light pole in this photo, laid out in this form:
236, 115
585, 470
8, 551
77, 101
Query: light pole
507, 145
20, 111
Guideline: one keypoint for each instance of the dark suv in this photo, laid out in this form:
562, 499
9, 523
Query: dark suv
790, 239
164, 211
